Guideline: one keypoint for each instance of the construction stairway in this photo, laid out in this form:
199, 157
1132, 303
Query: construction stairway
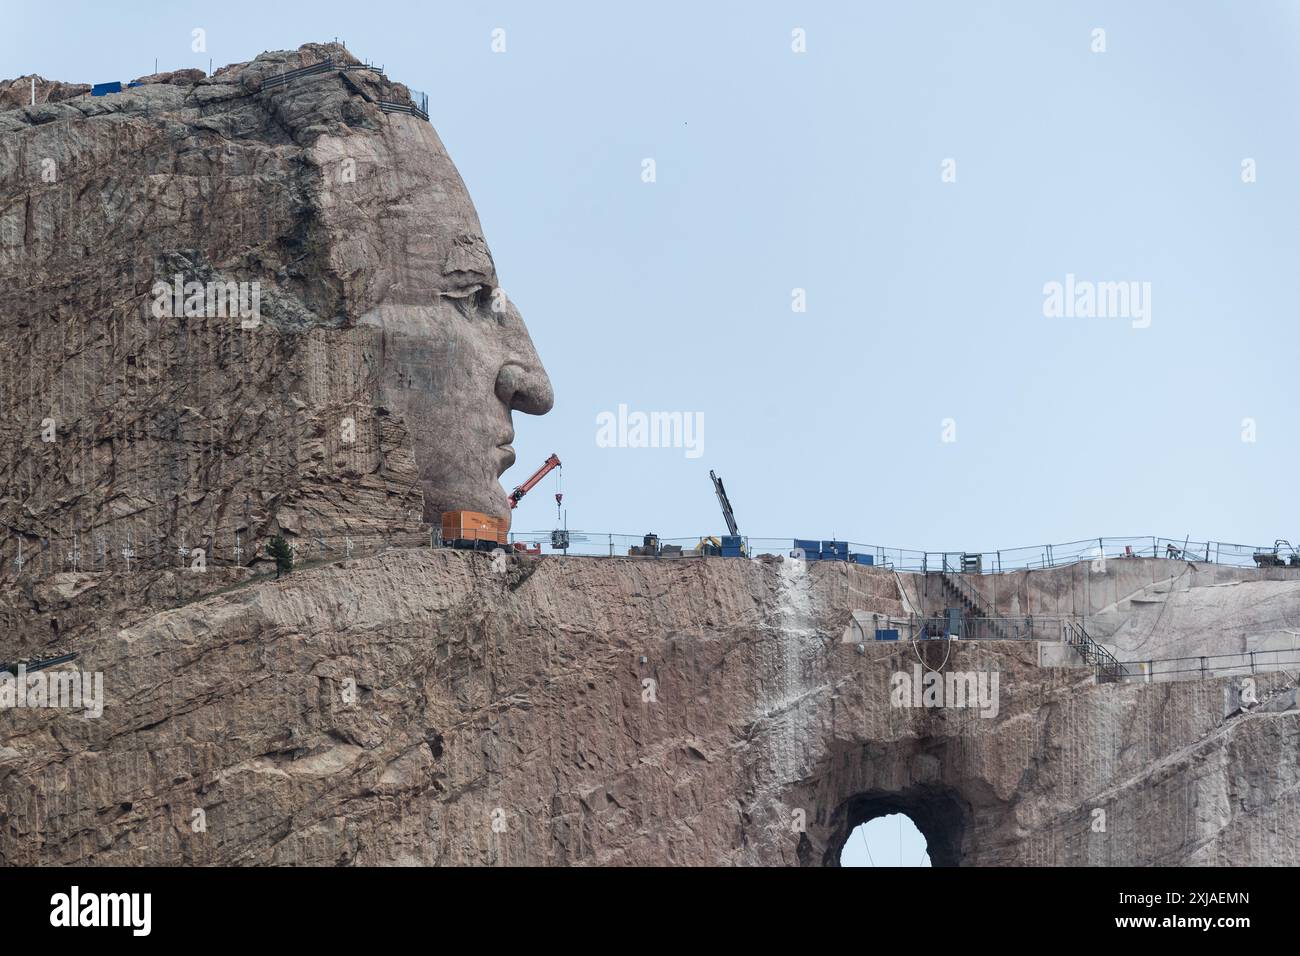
972, 603
964, 594
1109, 668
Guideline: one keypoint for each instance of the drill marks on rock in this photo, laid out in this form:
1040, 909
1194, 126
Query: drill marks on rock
786, 693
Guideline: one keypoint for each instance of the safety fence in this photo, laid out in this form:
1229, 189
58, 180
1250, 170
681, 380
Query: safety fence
968, 627
418, 106
1036, 557
22, 555
1099, 550
288, 76
30, 557
1209, 665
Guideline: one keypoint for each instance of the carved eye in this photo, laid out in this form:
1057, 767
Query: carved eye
495, 302
476, 301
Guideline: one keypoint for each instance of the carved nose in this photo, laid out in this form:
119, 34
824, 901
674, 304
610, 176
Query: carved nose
525, 388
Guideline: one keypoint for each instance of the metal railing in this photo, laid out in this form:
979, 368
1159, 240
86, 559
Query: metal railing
280, 79
1037, 557
419, 105
974, 628
1206, 666
975, 603
967, 593
1103, 549
53, 553
1109, 667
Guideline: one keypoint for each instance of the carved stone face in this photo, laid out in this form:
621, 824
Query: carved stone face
456, 359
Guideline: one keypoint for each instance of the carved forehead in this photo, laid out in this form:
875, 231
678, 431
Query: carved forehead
397, 203
334, 201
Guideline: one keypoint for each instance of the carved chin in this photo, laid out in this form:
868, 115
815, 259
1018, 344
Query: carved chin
488, 498
499, 505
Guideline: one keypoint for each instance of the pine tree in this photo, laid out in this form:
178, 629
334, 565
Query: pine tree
280, 551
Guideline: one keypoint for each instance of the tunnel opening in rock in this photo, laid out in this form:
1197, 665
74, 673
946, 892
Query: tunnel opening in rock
889, 840
938, 816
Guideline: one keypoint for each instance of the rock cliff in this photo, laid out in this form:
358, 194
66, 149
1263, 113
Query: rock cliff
231, 307
259, 303
428, 707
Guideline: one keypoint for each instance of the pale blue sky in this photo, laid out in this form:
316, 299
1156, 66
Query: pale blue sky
822, 171
891, 840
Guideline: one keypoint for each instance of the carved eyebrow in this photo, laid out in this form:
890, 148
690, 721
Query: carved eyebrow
464, 285
469, 276
469, 256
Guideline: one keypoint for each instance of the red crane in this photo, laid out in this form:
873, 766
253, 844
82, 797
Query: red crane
538, 475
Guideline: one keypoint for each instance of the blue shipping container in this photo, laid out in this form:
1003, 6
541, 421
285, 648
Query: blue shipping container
867, 559
100, 89
886, 633
732, 541
840, 549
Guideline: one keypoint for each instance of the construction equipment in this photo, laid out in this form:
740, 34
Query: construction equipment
709, 544
476, 531
648, 548
731, 545
538, 475
473, 530
651, 548
727, 514
1276, 558
520, 490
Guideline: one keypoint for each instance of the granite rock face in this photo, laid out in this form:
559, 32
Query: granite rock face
232, 307
389, 703
433, 707
36, 91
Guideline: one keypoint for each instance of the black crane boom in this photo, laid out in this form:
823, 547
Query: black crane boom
727, 514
